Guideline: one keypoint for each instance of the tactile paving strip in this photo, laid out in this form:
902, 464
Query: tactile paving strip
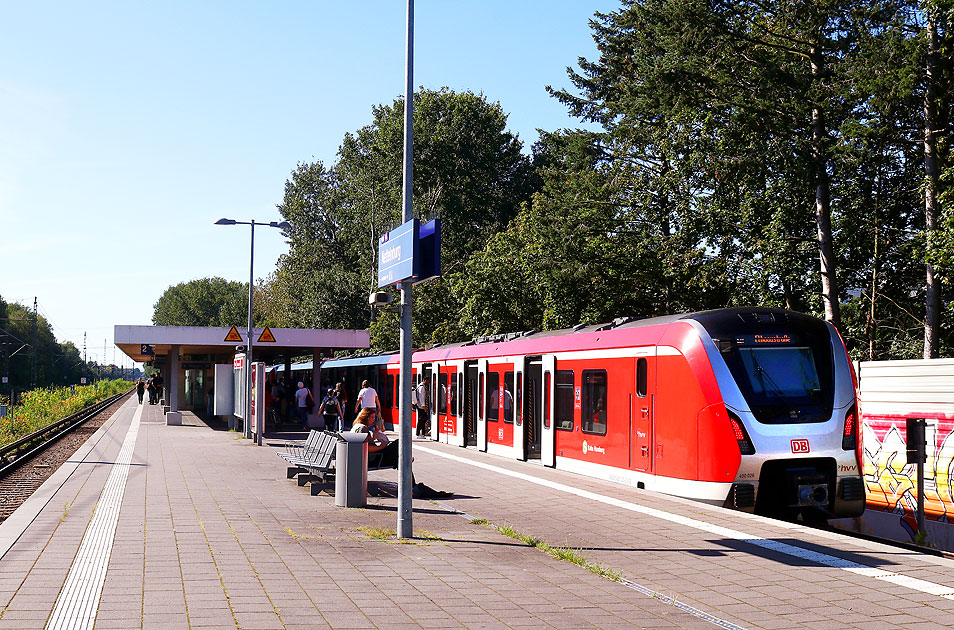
76, 606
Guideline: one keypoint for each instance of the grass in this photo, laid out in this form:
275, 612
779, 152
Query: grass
41, 407
564, 553
296, 536
379, 533
389, 534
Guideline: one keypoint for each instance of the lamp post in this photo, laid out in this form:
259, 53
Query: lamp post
284, 225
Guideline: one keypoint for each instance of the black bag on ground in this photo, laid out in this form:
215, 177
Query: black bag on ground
420, 491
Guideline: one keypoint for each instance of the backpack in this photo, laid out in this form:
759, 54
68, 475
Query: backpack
330, 406
421, 396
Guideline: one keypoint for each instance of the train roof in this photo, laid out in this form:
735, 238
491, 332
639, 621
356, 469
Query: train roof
376, 359
620, 332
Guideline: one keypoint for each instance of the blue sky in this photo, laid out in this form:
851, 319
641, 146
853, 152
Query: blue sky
127, 129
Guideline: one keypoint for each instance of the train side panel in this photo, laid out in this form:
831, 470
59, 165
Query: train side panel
693, 436
593, 413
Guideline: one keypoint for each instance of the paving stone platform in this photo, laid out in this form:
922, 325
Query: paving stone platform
208, 533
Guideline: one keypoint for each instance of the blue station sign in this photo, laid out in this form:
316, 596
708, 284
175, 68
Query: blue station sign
397, 254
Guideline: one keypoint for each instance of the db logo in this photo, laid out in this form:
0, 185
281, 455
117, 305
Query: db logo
800, 446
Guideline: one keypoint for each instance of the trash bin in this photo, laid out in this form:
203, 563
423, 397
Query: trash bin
351, 470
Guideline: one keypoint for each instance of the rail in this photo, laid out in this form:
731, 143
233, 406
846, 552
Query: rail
15, 453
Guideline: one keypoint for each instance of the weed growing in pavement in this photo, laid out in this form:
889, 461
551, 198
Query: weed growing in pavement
423, 534
297, 536
478, 521
380, 533
389, 534
561, 553
507, 530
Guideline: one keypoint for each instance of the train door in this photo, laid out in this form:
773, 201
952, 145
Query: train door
457, 402
415, 381
642, 408
469, 410
534, 407
435, 399
445, 422
482, 396
547, 433
519, 446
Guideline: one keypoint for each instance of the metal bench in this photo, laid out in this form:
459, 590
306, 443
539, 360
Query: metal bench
299, 450
313, 461
318, 465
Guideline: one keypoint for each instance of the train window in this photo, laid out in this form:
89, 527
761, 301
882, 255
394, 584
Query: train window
546, 399
594, 401
442, 393
563, 413
508, 397
395, 397
642, 377
387, 390
453, 405
493, 392
519, 398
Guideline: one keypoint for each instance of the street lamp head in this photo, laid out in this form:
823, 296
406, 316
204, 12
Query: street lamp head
285, 225
225, 221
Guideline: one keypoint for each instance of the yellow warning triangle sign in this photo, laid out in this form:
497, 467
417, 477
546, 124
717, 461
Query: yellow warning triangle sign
266, 336
233, 335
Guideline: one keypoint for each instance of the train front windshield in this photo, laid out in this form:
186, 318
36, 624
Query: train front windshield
781, 372
782, 363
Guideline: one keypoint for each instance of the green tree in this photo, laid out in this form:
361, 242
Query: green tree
468, 170
203, 302
56, 363
766, 133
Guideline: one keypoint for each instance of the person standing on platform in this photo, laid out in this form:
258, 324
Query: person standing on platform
368, 399
304, 402
140, 389
331, 411
157, 381
424, 407
342, 395
278, 392
151, 388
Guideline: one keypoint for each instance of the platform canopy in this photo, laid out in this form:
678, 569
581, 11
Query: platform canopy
137, 341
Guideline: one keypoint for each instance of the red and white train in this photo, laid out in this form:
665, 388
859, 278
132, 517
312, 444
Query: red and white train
752, 408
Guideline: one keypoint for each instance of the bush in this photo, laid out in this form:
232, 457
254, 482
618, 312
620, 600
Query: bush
41, 407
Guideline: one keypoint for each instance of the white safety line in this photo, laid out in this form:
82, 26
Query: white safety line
76, 606
916, 584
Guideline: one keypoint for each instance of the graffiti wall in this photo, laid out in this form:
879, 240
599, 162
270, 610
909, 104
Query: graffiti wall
891, 482
890, 392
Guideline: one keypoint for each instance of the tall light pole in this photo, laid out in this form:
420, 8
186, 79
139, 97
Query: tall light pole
284, 225
405, 522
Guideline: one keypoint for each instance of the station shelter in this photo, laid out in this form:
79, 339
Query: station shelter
186, 356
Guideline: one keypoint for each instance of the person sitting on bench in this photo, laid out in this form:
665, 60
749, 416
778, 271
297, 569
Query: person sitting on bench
378, 442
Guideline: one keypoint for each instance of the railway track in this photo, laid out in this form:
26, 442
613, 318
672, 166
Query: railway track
28, 462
